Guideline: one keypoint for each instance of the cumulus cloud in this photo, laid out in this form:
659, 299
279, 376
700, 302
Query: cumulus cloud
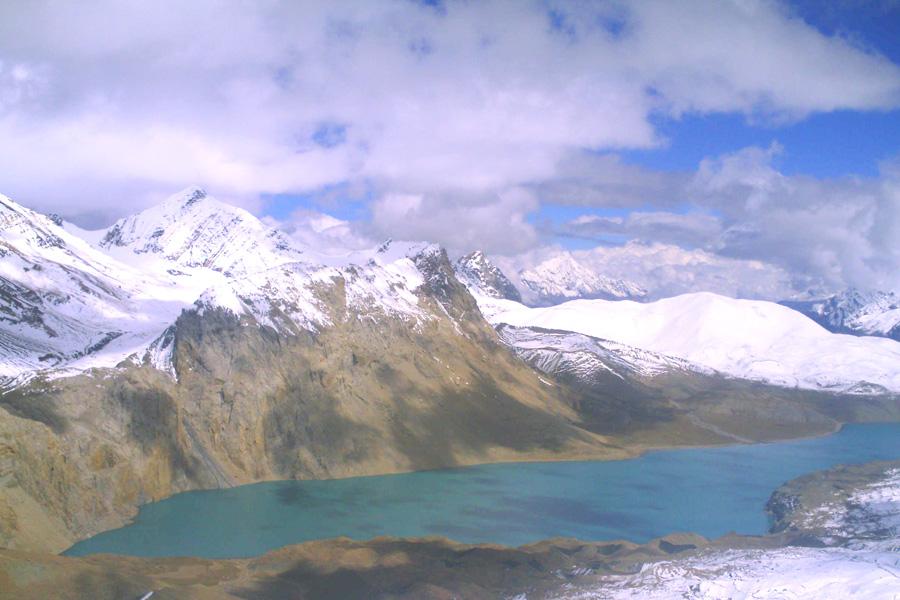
460, 221
831, 233
604, 179
462, 118
839, 232
136, 99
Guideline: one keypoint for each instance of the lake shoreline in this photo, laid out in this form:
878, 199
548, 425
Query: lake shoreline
432, 568
627, 453
461, 502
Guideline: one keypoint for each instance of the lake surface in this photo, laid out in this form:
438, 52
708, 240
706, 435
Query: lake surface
709, 491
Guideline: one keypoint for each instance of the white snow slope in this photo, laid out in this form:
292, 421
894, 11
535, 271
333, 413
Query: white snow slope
784, 574
748, 339
584, 356
866, 568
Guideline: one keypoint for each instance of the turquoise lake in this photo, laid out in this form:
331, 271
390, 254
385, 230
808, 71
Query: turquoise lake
710, 491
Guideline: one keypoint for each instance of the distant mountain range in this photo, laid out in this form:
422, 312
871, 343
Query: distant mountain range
553, 280
562, 277
754, 340
78, 300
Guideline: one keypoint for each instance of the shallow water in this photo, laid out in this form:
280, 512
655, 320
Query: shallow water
710, 491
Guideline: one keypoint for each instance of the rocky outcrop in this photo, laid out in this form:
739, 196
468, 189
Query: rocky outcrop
481, 276
849, 503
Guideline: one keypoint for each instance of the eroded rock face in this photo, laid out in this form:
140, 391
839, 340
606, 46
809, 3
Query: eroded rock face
480, 275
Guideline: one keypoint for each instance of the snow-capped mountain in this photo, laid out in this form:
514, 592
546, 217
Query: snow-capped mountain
754, 340
562, 278
482, 277
70, 306
191, 229
855, 312
66, 304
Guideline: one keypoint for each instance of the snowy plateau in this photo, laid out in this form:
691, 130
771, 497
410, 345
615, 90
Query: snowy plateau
755, 340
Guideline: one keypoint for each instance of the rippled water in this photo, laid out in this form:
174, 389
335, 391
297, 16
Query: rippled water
709, 491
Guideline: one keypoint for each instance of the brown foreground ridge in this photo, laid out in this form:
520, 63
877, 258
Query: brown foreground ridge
383, 568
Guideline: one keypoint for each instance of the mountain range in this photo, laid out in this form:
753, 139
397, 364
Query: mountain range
190, 346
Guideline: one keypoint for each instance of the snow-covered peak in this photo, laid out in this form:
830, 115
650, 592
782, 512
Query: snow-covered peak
67, 304
27, 226
482, 277
562, 277
36, 239
193, 229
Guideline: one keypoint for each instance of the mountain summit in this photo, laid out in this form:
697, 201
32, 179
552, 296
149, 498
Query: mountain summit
193, 229
193, 347
481, 276
562, 277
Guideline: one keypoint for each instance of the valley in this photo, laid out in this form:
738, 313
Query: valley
190, 347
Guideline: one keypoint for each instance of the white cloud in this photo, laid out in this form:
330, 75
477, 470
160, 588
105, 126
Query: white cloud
837, 232
461, 119
322, 233
275, 97
830, 233
753, 56
688, 230
668, 270
460, 221
592, 179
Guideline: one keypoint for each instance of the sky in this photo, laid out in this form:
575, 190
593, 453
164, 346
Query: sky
748, 147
